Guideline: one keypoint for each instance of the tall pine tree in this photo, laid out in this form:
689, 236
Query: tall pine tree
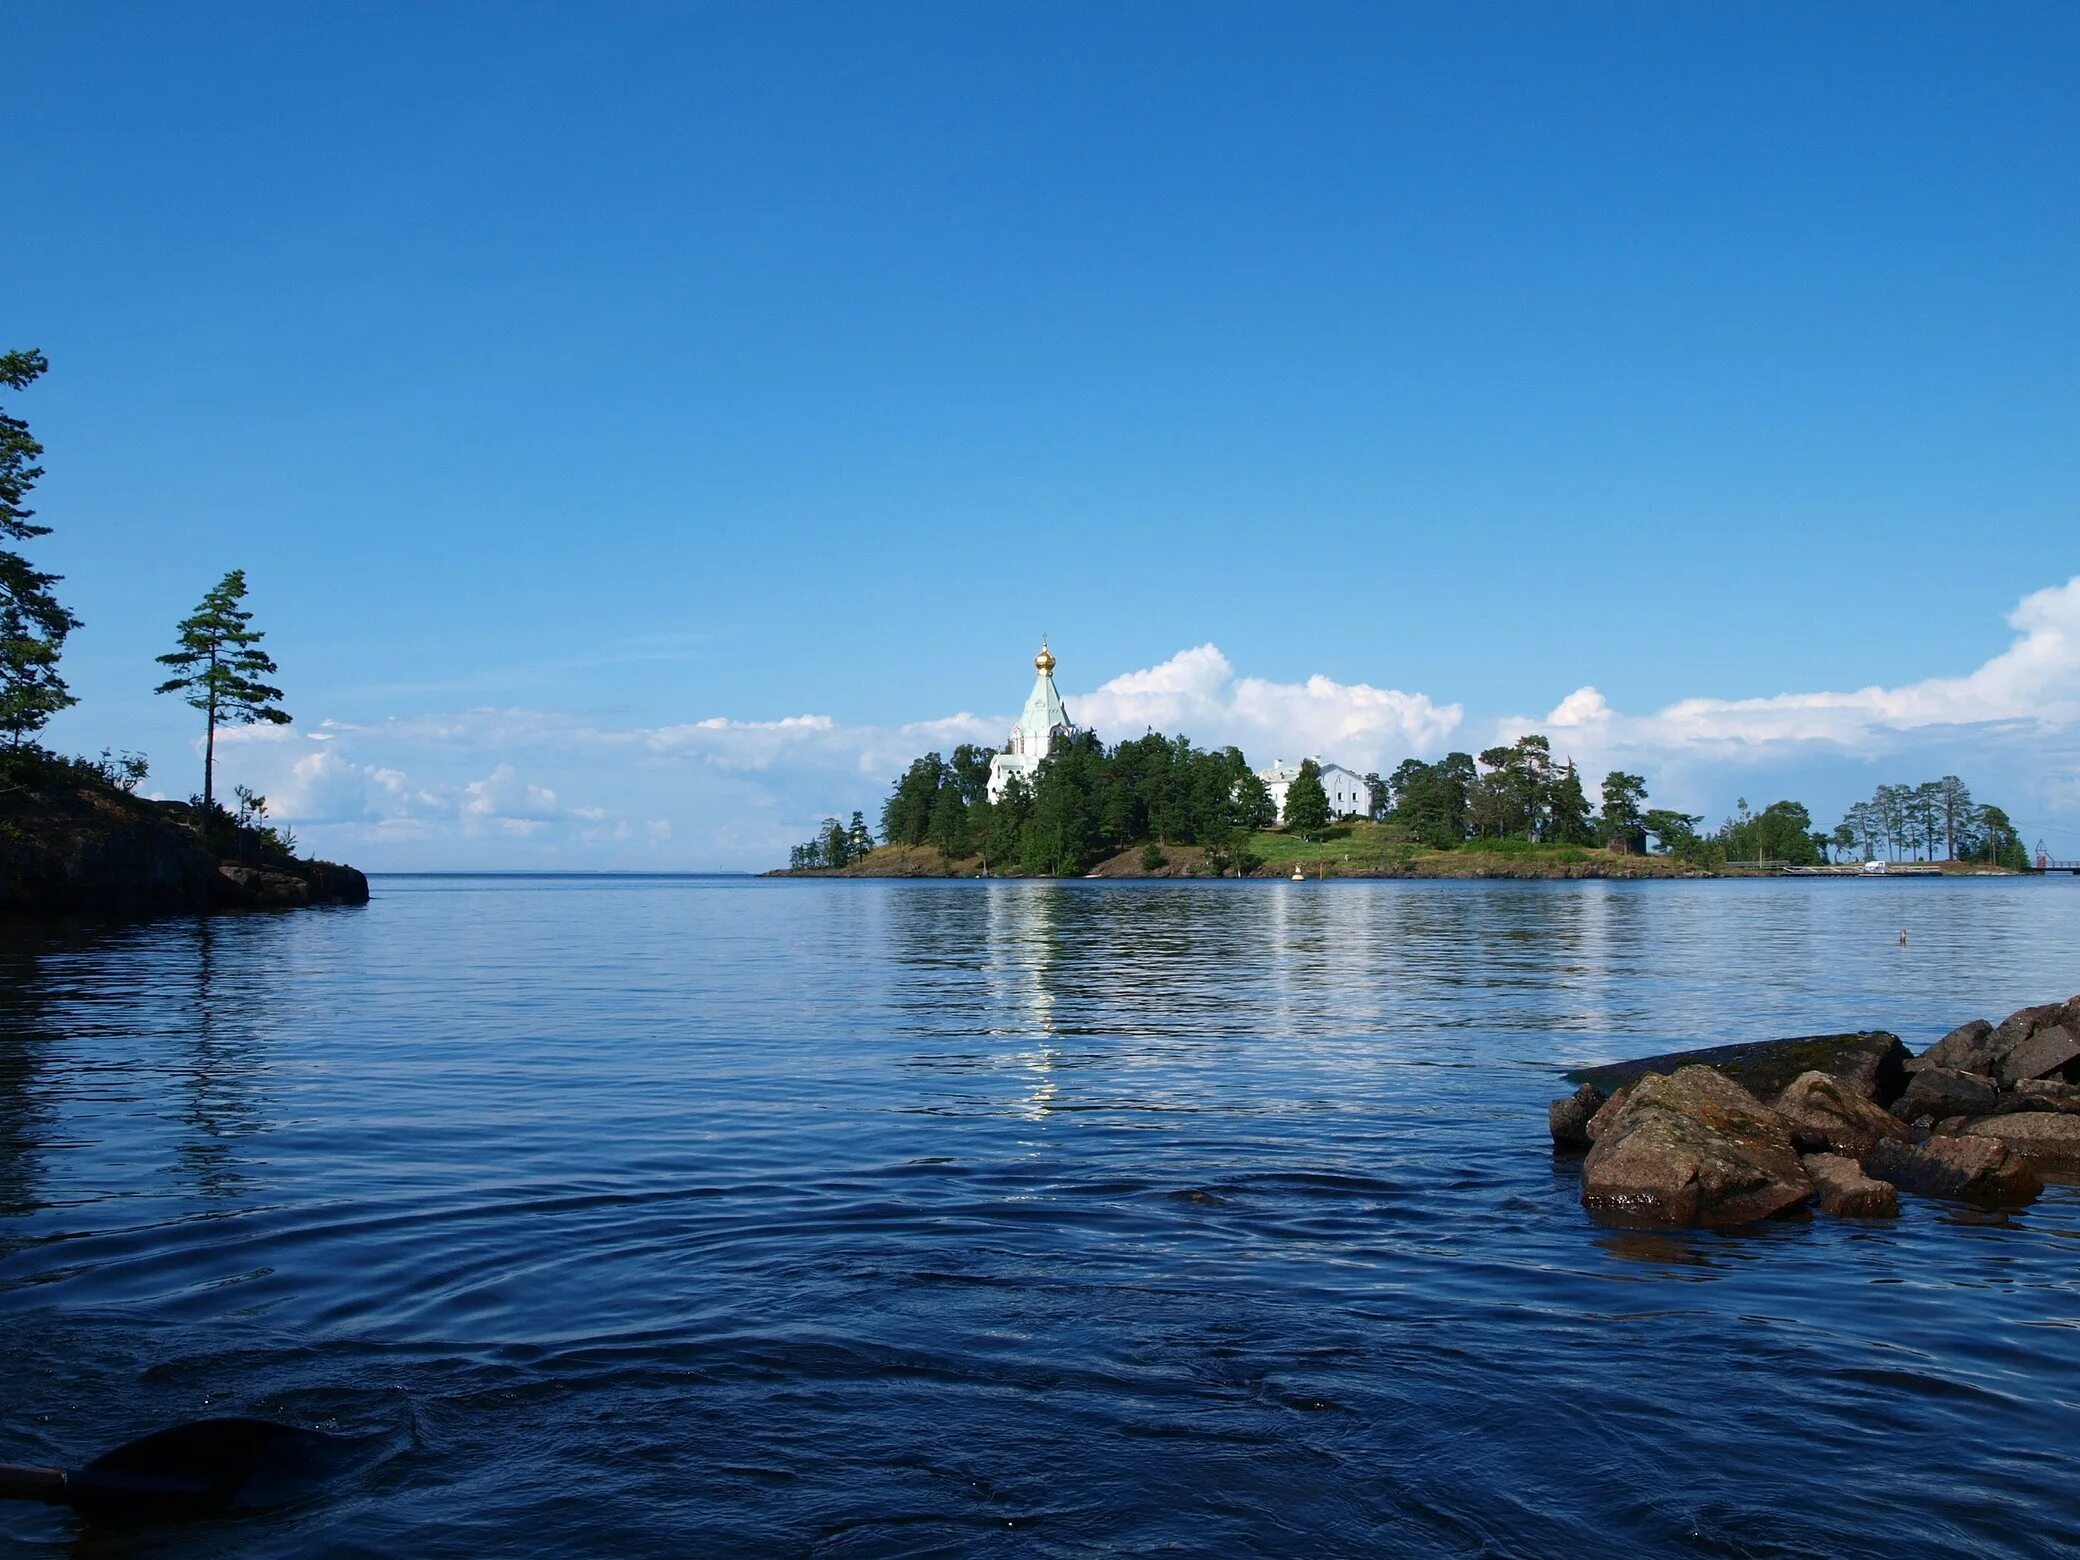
218, 668
1307, 803
33, 625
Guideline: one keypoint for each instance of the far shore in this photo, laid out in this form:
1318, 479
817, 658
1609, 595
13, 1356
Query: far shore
1357, 849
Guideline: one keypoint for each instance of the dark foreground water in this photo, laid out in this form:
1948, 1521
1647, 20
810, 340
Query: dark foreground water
688, 1217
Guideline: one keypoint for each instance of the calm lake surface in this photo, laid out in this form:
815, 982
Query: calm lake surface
685, 1216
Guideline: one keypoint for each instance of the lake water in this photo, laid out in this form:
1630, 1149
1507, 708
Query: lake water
685, 1216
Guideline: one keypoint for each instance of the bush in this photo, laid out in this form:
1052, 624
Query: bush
1152, 857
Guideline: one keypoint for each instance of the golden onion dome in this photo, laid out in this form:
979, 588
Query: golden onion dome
1044, 661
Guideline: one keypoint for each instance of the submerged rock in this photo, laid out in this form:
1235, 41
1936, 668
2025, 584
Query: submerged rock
1873, 1062
1569, 1119
1970, 1169
1827, 1115
1692, 1148
1846, 1191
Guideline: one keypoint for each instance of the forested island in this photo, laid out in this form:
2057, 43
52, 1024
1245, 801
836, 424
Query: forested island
1159, 806
74, 835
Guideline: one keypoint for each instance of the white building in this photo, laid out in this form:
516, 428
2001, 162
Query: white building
1348, 797
1044, 724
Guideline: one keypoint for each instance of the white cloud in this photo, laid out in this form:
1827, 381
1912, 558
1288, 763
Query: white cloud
2026, 696
1197, 692
503, 795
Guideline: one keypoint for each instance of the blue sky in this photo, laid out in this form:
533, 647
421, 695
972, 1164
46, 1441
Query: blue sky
566, 377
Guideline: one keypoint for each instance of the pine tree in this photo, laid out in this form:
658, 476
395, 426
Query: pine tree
1624, 818
1567, 808
218, 668
1307, 803
33, 625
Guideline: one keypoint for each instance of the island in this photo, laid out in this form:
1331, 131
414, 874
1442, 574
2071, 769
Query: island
1055, 801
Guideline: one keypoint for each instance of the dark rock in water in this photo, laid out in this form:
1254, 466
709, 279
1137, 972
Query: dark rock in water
1569, 1118
333, 884
1693, 1148
1967, 1048
1873, 1062
261, 888
1827, 1115
1943, 1091
1846, 1191
1970, 1169
2047, 1139
2050, 1050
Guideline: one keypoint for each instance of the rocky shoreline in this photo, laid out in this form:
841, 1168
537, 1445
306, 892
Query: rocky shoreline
1731, 1135
99, 851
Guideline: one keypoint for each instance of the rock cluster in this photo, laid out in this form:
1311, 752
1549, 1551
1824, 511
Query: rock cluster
1738, 1133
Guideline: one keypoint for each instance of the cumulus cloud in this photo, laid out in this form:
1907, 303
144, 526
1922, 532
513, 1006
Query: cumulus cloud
1196, 691
2028, 694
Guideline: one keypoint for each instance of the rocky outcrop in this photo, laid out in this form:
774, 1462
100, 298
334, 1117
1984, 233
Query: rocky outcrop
1733, 1134
1873, 1062
1693, 1148
88, 849
1845, 1191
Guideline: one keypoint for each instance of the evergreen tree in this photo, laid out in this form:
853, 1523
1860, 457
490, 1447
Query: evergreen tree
906, 817
1624, 824
1375, 796
1254, 808
218, 667
949, 825
33, 625
834, 844
1567, 809
1955, 802
1674, 832
1307, 803
858, 841
970, 771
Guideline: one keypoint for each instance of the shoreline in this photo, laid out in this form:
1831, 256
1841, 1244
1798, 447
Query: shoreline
1538, 864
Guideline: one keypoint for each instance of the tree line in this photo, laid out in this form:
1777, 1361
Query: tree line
1910, 822
216, 665
1089, 801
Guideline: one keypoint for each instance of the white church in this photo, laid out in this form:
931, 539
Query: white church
1045, 724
